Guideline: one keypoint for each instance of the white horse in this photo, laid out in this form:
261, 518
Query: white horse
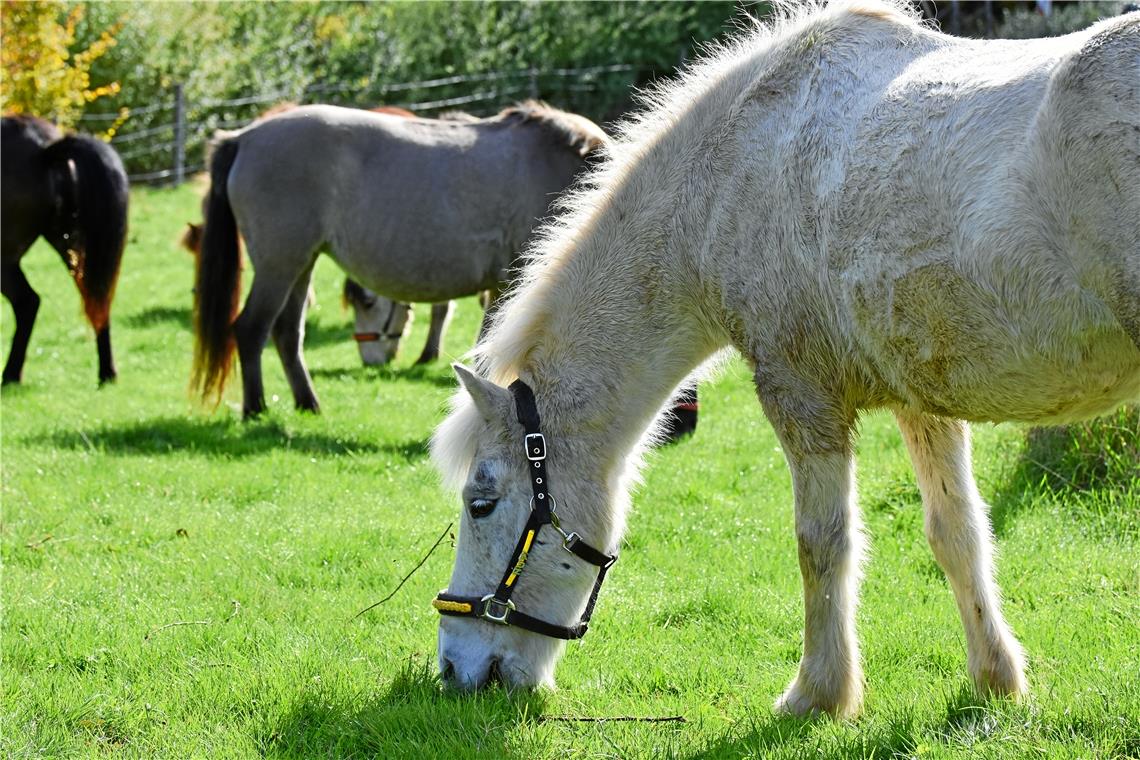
875, 215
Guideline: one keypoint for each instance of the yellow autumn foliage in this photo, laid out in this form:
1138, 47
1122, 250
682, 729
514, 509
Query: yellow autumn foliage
39, 72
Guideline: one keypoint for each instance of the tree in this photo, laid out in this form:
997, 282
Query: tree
41, 73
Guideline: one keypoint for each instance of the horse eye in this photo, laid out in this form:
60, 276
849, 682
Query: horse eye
482, 507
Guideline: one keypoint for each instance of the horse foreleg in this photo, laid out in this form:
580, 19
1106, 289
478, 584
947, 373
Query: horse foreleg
958, 529
440, 315
829, 536
25, 303
266, 299
289, 337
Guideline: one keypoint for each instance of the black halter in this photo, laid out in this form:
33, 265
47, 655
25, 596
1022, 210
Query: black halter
498, 607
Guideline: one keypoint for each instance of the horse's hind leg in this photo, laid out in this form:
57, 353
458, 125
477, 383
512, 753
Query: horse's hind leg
25, 303
440, 315
289, 337
815, 433
107, 371
958, 529
267, 297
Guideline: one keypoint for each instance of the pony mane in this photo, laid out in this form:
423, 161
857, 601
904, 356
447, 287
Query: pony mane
581, 134
522, 317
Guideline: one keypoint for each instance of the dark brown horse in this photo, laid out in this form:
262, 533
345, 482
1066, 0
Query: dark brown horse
71, 190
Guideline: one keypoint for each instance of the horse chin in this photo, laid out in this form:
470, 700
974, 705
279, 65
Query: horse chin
472, 660
376, 354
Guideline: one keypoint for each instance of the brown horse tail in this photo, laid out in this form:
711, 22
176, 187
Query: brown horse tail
93, 217
217, 286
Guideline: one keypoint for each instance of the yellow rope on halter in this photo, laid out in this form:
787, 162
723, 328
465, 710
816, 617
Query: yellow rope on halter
445, 606
522, 559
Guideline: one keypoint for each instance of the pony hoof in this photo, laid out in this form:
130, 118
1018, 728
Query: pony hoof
800, 701
1003, 675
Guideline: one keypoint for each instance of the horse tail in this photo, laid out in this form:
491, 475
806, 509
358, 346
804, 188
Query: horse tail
217, 285
94, 215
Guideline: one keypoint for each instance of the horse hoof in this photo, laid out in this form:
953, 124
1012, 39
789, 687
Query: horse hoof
803, 702
1003, 674
107, 380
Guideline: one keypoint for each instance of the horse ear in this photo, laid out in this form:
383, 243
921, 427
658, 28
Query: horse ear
491, 400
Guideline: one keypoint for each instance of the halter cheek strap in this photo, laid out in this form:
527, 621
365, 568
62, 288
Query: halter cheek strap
498, 607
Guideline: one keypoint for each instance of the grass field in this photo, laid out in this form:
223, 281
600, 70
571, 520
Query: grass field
179, 584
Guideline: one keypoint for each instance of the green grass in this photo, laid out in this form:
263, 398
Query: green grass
130, 508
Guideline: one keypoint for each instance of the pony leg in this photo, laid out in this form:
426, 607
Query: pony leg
489, 299
815, 438
289, 337
440, 316
251, 330
107, 371
25, 303
958, 529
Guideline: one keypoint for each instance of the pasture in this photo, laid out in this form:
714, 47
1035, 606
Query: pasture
179, 584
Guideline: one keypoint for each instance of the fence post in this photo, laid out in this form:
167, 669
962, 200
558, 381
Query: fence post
179, 136
534, 84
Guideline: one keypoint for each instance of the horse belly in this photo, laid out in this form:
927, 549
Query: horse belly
946, 345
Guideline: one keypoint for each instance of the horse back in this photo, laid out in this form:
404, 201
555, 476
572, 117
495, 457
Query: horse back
994, 272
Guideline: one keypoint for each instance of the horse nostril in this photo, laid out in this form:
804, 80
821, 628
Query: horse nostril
447, 671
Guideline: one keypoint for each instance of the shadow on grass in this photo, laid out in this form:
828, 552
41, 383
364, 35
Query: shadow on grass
427, 373
157, 316
764, 735
1096, 460
316, 333
218, 437
413, 717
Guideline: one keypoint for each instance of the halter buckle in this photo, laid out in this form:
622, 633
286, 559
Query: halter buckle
535, 447
569, 539
489, 603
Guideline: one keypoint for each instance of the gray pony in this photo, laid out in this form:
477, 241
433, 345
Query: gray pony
418, 210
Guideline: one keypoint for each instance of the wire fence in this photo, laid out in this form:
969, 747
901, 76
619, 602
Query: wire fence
164, 142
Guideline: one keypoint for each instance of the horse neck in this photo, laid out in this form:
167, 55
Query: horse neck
620, 327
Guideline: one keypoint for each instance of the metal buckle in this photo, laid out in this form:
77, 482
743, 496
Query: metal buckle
535, 447
569, 539
487, 614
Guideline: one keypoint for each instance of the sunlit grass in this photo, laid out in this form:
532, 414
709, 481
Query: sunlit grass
129, 509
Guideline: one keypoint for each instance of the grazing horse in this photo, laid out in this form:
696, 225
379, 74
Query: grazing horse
72, 190
420, 210
381, 323
875, 215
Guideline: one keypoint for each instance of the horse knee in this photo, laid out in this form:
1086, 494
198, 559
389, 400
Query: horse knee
825, 546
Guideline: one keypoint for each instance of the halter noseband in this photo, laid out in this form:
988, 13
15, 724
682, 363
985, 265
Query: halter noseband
372, 337
498, 607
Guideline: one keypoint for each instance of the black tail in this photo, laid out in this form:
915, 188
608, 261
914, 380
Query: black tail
94, 217
218, 281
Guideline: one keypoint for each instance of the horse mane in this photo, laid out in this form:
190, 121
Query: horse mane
524, 314
580, 133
